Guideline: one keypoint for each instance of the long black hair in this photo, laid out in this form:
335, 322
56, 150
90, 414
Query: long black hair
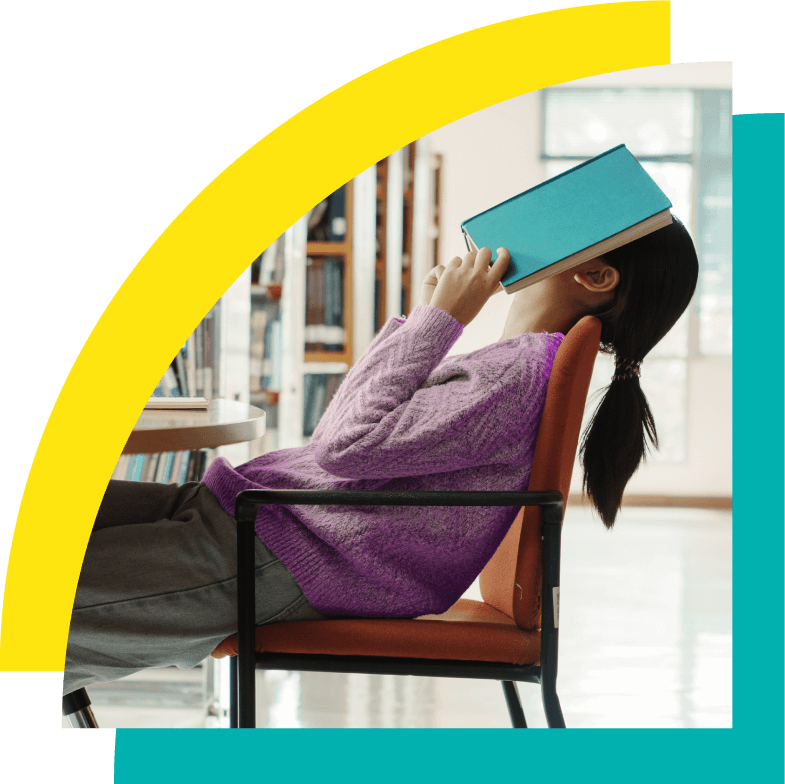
658, 274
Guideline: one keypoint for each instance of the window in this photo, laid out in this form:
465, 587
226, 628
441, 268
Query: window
683, 140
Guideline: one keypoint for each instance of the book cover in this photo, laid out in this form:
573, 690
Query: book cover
600, 204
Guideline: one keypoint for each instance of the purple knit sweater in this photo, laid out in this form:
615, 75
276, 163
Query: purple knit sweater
405, 417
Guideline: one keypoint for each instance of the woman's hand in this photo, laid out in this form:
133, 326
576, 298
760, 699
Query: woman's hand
465, 284
429, 284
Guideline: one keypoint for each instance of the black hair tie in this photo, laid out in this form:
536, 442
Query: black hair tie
627, 369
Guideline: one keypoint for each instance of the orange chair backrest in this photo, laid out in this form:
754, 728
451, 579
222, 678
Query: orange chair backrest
512, 580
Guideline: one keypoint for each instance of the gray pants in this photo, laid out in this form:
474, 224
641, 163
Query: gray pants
158, 584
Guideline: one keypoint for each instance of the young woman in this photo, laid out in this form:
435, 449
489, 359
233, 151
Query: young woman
157, 586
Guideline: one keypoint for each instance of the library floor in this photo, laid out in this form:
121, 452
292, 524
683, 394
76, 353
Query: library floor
645, 641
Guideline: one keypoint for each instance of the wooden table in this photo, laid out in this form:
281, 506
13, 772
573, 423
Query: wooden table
223, 422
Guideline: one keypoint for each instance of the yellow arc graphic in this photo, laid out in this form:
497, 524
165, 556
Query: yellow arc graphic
226, 226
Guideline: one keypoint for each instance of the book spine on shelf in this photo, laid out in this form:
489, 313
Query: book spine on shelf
333, 315
169, 383
258, 330
179, 367
121, 469
308, 385
333, 382
216, 362
208, 356
276, 349
319, 397
184, 464
166, 478
176, 462
314, 302
267, 362
150, 470
199, 332
135, 468
150, 466
315, 392
190, 364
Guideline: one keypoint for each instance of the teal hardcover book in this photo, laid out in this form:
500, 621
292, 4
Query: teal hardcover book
599, 205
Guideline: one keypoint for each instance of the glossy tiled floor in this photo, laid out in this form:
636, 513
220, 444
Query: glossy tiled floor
645, 641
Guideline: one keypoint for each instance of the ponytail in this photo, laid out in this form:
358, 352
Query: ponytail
619, 435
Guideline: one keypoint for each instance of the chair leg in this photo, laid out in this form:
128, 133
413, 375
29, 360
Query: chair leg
514, 705
550, 701
76, 708
233, 693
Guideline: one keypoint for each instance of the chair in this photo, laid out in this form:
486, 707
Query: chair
510, 636
76, 708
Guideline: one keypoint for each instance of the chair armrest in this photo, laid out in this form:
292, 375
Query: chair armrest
248, 501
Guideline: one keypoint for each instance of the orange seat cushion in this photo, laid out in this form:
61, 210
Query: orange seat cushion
468, 631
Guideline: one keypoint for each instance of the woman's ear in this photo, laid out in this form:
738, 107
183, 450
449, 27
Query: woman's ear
597, 276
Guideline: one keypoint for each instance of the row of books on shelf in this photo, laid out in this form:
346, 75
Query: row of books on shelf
324, 329
318, 391
164, 467
327, 222
266, 348
193, 372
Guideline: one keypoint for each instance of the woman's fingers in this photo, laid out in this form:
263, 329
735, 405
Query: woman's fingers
500, 265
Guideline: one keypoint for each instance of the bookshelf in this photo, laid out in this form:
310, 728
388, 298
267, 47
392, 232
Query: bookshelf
213, 362
287, 331
321, 292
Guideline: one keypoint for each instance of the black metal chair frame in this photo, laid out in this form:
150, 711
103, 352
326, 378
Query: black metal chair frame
243, 667
76, 708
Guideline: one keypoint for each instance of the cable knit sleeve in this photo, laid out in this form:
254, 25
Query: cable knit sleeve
393, 416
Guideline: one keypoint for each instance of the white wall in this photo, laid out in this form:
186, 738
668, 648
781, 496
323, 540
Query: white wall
494, 154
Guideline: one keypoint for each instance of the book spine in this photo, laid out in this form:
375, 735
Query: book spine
176, 462
179, 367
319, 396
334, 306
267, 362
333, 382
121, 469
200, 359
311, 316
276, 350
308, 379
208, 356
258, 329
184, 464
150, 466
169, 383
